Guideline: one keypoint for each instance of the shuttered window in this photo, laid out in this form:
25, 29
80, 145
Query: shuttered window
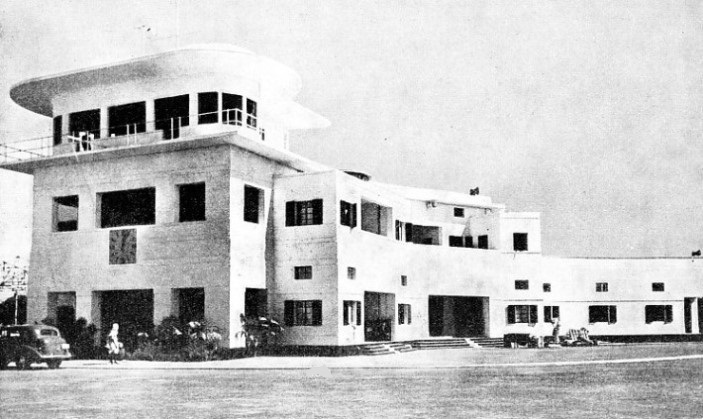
302, 213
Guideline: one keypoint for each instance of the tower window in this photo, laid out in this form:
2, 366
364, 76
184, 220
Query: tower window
520, 242
65, 213
207, 107
253, 204
191, 202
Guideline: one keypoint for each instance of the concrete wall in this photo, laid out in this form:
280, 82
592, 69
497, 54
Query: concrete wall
169, 254
310, 245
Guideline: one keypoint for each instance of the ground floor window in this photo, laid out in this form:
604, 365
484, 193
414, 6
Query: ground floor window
551, 313
602, 314
352, 313
522, 314
303, 312
404, 314
658, 313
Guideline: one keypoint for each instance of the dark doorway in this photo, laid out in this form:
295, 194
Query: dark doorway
379, 316
171, 113
133, 310
436, 315
457, 316
65, 321
687, 314
255, 302
191, 304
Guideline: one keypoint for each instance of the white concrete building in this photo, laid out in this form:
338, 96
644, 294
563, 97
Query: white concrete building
168, 189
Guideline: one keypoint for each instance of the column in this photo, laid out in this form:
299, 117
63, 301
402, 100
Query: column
84, 306
150, 116
103, 123
162, 304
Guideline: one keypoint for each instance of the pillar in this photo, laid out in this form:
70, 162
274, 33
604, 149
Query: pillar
104, 123
150, 116
162, 304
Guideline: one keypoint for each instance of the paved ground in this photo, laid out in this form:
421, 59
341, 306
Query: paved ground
638, 381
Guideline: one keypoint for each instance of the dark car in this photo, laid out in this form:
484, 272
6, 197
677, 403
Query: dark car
28, 344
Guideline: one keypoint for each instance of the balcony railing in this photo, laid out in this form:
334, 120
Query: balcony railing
140, 133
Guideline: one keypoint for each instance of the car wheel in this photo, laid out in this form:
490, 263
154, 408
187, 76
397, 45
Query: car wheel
22, 362
53, 364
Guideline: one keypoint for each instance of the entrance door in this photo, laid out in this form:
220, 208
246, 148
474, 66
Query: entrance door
379, 315
436, 315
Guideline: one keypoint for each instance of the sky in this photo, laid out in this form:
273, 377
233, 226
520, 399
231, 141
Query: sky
588, 112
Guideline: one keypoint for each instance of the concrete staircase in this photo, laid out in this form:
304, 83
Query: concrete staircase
484, 342
386, 348
448, 343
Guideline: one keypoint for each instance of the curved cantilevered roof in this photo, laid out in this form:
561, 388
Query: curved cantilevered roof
37, 94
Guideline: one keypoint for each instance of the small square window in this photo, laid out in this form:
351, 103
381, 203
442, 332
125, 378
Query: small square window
459, 212
601, 287
303, 272
546, 287
404, 280
404, 314
522, 284
520, 242
351, 273
658, 286
65, 217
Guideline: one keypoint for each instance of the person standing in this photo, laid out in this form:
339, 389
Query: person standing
113, 344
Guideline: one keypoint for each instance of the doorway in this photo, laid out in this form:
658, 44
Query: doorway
379, 316
458, 316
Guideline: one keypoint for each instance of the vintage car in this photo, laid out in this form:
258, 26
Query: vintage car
29, 344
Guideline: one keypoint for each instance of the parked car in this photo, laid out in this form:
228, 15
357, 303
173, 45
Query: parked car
29, 344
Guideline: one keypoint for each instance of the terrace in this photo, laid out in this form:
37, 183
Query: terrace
137, 134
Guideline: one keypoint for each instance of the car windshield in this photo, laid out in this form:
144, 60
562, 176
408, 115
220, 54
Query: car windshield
47, 332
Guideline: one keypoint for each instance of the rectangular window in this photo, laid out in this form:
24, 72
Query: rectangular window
520, 242
483, 242
127, 119
58, 125
127, 208
207, 107
409, 232
347, 214
404, 314
522, 314
658, 286
65, 213
171, 113
546, 287
659, 313
303, 272
253, 204
404, 280
459, 212
352, 313
522, 284
602, 314
191, 206
303, 213
551, 313
351, 273
456, 241
232, 109
468, 241
85, 122
375, 218
302, 312
601, 287
251, 113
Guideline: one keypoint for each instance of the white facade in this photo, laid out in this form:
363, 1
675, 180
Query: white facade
212, 216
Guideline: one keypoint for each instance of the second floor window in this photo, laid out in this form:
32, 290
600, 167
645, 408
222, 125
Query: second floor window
658, 286
302, 213
522, 284
303, 272
191, 205
347, 214
65, 213
601, 287
522, 314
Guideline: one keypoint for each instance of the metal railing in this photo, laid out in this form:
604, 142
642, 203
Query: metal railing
139, 133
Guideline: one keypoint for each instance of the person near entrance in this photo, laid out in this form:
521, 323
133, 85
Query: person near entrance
113, 344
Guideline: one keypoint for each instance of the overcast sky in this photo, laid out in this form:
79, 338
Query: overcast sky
588, 112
